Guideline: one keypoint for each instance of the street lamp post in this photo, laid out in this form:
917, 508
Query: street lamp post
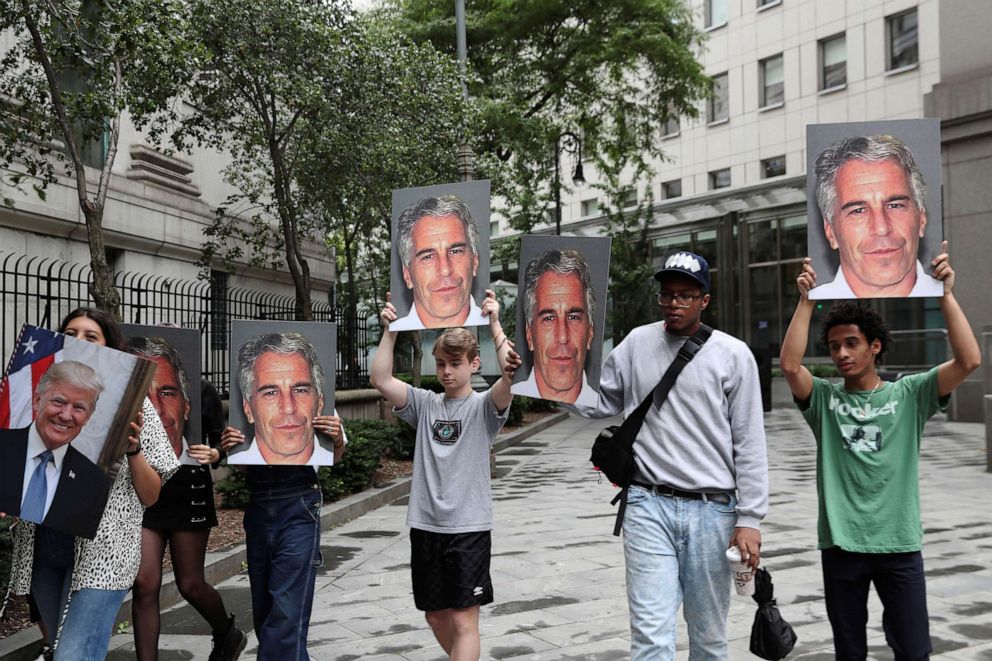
572, 145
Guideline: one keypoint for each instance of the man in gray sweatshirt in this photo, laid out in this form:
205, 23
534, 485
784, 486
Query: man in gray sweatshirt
701, 483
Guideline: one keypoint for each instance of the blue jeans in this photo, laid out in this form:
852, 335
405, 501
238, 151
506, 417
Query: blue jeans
51, 575
88, 624
282, 535
675, 554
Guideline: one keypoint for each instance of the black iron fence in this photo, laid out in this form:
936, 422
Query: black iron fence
41, 290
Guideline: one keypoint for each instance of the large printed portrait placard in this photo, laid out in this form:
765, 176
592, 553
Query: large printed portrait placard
65, 411
561, 317
874, 208
440, 257
282, 376
175, 387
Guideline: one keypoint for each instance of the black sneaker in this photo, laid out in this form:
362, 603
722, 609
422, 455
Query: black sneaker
228, 645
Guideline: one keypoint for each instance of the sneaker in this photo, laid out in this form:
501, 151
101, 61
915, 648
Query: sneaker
228, 645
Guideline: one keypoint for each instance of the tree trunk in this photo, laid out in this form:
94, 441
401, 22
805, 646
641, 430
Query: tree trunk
349, 265
105, 295
299, 269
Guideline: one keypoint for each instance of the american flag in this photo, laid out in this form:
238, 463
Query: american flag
37, 349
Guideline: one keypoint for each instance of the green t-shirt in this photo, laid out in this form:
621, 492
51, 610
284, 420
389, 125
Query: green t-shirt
867, 462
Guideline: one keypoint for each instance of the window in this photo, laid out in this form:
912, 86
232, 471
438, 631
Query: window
716, 13
672, 188
904, 40
773, 167
719, 178
590, 207
719, 109
833, 62
494, 228
671, 126
630, 198
772, 81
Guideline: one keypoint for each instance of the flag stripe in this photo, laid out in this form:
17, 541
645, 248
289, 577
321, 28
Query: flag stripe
37, 350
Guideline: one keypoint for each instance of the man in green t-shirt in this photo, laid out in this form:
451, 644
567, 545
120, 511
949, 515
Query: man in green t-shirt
868, 434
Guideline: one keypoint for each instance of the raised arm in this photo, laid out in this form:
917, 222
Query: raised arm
508, 359
381, 375
965, 353
796, 338
490, 308
501, 389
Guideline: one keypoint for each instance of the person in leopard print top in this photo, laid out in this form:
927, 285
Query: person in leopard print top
80, 584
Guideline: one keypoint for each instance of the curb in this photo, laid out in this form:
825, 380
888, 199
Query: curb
26, 645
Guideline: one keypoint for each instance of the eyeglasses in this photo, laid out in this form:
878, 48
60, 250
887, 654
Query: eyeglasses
681, 300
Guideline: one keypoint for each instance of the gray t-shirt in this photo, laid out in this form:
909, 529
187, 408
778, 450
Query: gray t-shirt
450, 492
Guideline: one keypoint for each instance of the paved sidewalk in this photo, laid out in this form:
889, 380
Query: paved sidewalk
558, 572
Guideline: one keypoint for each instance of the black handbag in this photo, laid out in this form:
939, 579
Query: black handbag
772, 637
613, 449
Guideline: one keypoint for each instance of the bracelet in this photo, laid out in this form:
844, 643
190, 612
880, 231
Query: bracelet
136, 450
501, 343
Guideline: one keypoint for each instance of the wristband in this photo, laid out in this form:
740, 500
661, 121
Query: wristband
136, 450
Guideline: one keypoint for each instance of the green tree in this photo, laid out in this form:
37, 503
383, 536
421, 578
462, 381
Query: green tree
69, 71
397, 126
631, 270
612, 71
273, 68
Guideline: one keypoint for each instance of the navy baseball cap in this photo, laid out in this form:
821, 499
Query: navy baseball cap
686, 263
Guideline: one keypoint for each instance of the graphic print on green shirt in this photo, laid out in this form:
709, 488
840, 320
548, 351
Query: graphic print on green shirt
867, 462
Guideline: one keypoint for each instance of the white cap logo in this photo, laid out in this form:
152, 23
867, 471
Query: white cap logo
684, 261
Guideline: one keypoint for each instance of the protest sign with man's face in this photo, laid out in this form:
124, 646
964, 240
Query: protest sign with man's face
561, 317
283, 378
440, 248
175, 387
874, 208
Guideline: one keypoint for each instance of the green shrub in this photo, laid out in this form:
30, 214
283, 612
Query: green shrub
331, 485
518, 406
233, 489
368, 441
406, 441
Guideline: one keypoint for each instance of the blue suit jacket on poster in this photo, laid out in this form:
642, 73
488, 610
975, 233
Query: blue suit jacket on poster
80, 496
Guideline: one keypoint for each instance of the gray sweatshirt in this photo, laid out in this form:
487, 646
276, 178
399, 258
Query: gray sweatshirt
709, 435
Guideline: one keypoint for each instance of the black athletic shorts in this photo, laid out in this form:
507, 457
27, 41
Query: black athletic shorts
450, 570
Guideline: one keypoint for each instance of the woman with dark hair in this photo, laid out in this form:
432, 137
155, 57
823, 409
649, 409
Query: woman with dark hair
79, 584
107, 331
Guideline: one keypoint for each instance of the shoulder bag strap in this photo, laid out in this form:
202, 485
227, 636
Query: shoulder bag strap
686, 353
633, 423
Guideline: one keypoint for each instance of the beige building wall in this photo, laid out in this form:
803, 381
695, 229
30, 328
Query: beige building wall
157, 209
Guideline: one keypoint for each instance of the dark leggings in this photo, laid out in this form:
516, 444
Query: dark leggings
188, 548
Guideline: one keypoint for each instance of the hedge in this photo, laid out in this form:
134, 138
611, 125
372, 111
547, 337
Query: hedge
368, 442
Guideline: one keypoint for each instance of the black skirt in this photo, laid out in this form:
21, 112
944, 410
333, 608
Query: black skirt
186, 501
